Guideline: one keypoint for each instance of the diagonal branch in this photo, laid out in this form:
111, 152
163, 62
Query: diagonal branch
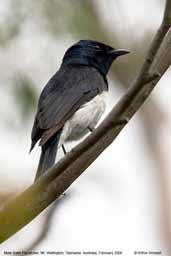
23, 209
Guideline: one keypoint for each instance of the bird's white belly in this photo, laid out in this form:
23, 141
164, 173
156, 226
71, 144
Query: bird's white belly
86, 117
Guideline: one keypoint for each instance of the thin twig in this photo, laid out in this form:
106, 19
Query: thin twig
46, 225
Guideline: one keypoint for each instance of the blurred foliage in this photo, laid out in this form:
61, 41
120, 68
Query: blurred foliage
75, 17
25, 95
10, 25
58, 18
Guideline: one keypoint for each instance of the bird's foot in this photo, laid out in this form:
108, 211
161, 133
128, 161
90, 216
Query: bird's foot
91, 129
64, 150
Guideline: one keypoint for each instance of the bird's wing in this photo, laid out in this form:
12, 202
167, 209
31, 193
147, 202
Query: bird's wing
64, 94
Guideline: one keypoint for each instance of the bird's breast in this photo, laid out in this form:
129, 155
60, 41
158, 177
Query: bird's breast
86, 117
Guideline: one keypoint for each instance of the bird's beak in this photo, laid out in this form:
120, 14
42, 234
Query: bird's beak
118, 52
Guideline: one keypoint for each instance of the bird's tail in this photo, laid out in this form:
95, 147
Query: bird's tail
48, 155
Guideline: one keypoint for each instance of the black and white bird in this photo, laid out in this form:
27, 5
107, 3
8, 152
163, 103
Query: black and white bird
73, 100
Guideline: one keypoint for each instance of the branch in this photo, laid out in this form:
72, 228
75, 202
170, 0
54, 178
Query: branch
23, 209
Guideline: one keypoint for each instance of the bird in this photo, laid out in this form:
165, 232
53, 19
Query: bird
73, 100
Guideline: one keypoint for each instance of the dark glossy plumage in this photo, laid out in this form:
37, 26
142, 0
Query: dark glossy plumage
63, 95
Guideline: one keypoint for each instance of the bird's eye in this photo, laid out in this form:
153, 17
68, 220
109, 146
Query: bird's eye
97, 47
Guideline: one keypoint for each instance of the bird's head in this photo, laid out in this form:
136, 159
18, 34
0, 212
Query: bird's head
92, 53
